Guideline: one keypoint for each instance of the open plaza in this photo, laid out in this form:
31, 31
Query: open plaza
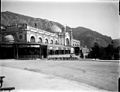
68, 75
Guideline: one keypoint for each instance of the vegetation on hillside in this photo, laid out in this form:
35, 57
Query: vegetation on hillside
106, 53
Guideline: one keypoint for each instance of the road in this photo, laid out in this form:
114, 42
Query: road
102, 75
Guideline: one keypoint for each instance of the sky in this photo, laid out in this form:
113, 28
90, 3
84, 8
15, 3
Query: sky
99, 15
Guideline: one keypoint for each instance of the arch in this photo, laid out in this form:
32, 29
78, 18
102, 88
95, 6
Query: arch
51, 42
39, 40
46, 41
20, 37
56, 42
32, 39
67, 41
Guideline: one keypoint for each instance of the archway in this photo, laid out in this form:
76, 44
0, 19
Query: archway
67, 41
46, 41
40, 40
32, 39
56, 42
51, 42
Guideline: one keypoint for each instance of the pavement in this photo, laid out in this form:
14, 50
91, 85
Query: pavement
29, 81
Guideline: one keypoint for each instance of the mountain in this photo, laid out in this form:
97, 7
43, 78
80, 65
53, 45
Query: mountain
116, 42
88, 37
10, 18
85, 35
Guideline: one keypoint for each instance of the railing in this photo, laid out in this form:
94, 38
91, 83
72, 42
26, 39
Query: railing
28, 56
63, 57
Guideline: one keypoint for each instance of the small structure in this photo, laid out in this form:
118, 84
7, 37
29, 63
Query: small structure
85, 51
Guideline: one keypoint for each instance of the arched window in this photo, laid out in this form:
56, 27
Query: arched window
20, 37
32, 39
46, 41
56, 42
67, 41
40, 40
51, 42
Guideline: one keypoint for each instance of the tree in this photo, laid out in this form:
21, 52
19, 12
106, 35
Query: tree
117, 53
110, 51
95, 50
81, 54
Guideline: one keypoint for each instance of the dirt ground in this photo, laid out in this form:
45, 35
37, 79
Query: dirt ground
100, 74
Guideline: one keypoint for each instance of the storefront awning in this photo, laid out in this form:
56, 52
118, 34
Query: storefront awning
6, 45
29, 46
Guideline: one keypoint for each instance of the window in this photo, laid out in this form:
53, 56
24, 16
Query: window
32, 39
51, 42
56, 42
40, 40
67, 41
20, 36
46, 41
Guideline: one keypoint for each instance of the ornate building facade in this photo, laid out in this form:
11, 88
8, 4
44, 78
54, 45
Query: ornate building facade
60, 41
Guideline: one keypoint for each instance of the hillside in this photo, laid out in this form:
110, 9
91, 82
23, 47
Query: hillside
85, 35
116, 42
88, 37
8, 18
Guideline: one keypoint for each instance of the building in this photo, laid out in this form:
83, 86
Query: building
85, 51
22, 40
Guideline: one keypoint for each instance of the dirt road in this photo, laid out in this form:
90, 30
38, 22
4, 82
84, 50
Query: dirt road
103, 75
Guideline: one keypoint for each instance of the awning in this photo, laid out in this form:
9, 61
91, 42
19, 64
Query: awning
29, 46
7, 45
60, 48
56, 48
67, 48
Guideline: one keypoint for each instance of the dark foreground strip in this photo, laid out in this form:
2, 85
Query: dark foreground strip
7, 89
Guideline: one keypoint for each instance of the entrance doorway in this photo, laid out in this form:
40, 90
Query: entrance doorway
44, 51
6, 51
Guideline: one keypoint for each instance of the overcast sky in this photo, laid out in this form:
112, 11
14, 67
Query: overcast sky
98, 15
